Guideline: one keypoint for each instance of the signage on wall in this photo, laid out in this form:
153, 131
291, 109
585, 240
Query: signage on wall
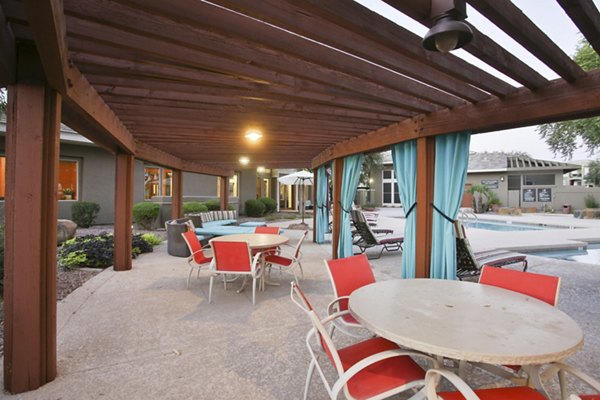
529, 195
490, 183
544, 195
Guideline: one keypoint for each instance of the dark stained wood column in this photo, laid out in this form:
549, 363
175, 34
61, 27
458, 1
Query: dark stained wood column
425, 180
177, 194
314, 201
224, 192
123, 210
338, 173
30, 212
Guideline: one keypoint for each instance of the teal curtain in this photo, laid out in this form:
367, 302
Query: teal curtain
322, 223
404, 156
351, 176
451, 160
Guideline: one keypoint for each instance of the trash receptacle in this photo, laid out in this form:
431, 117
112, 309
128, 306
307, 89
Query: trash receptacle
566, 209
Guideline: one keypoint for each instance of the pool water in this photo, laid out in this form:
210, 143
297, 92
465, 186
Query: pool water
591, 255
504, 227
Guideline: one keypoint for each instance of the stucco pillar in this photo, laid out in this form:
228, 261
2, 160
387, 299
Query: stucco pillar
123, 210
30, 212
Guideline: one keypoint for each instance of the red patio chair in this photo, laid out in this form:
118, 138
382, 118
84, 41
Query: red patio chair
347, 275
197, 259
466, 393
287, 262
235, 258
272, 230
539, 286
372, 369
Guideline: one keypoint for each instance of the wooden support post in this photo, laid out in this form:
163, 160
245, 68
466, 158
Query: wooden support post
177, 194
425, 181
123, 211
224, 194
314, 201
338, 173
30, 212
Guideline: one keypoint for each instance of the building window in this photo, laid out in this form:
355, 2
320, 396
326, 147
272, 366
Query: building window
68, 179
537, 180
157, 182
233, 186
391, 194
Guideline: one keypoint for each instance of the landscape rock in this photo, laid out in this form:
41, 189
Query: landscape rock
66, 230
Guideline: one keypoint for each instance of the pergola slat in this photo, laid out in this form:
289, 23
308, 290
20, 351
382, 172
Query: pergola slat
516, 24
587, 18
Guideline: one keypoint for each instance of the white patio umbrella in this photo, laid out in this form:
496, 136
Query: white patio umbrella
303, 178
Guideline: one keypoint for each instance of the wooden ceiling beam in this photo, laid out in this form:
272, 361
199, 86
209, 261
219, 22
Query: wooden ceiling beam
46, 19
159, 85
8, 52
301, 21
232, 33
586, 17
481, 47
558, 101
297, 74
517, 25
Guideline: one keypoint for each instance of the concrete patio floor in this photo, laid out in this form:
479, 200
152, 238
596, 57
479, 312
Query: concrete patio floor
142, 335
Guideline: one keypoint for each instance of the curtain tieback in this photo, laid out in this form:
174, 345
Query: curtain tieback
410, 210
442, 213
343, 209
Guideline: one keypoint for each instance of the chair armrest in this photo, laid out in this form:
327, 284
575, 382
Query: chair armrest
383, 231
334, 302
432, 378
561, 368
372, 359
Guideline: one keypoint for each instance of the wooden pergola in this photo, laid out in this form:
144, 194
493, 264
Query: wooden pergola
178, 83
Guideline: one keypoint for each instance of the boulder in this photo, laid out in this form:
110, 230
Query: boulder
590, 213
66, 230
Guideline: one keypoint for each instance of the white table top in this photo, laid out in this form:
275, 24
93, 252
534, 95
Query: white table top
255, 240
466, 321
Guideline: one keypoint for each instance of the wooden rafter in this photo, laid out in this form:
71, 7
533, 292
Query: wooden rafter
587, 18
559, 100
516, 24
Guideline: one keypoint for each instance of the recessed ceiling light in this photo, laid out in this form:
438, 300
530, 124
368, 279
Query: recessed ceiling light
260, 170
253, 135
244, 160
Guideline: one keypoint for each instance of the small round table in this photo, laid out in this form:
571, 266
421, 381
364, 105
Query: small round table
255, 240
466, 321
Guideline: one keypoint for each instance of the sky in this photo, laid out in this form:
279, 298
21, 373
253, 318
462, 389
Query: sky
547, 15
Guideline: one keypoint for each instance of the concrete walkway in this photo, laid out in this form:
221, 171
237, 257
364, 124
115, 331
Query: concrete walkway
141, 335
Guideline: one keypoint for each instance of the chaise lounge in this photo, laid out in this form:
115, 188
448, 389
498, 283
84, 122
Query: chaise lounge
366, 237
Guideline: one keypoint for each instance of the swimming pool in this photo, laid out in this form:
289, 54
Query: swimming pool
589, 255
505, 227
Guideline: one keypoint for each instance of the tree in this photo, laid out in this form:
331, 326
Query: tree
593, 174
562, 137
372, 162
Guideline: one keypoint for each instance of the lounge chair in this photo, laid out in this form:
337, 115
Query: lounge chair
469, 263
367, 237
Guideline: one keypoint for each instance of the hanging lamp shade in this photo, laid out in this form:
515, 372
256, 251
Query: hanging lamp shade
449, 31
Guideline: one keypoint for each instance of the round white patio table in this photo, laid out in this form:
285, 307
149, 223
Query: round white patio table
255, 240
466, 321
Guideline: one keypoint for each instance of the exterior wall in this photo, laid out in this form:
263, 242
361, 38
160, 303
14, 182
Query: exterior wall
247, 187
574, 196
501, 177
377, 184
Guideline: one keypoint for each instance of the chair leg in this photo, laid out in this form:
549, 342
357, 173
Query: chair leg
311, 370
187, 286
253, 290
210, 289
301, 270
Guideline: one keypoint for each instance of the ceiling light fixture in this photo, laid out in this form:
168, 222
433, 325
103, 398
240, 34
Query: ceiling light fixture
244, 160
253, 135
449, 31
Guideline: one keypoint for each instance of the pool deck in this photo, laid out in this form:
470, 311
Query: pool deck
141, 334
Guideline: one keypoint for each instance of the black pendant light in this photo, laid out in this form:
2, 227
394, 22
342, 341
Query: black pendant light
449, 31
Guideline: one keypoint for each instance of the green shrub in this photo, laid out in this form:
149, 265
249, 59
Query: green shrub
591, 202
231, 207
95, 251
194, 207
255, 208
152, 239
84, 213
145, 213
270, 204
213, 205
